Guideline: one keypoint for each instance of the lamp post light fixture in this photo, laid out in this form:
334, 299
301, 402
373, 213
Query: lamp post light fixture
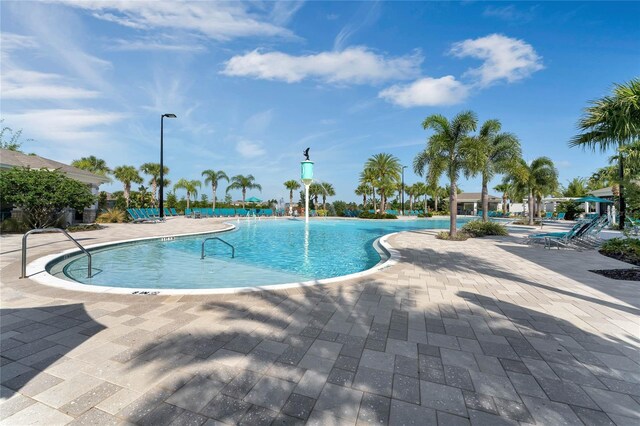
161, 189
403, 167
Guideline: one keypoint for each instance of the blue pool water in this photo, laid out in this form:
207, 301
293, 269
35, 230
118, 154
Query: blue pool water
266, 252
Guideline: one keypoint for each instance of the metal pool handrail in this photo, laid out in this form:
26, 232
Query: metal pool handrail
233, 249
40, 231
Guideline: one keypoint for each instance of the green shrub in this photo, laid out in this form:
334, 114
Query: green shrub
444, 235
478, 228
13, 226
440, 213
112, 216
321, 212
368, 215
625, 249
84, 227
571, 209
427, 214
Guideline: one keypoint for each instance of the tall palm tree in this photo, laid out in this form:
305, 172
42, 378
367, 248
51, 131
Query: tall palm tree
243, 183
504, 188
363, 190
534, 179
368, 178
449, 150
421, 190
153, 170
410, 190
315, 190
127, 175
327, 191
612, 122
291, 185
191, 186
92, 164
213, 177
577, 187
501, 151
386, 170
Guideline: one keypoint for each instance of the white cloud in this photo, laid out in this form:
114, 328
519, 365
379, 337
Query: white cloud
259, 122
353, 65
426, 91
250, 149
510, 13
216, 20
152, 44
65, 126
18, 83
504, 58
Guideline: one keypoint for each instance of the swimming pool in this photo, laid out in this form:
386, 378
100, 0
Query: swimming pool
266, 253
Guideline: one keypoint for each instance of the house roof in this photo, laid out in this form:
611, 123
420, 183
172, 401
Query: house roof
9, 159
603, 192
470, 197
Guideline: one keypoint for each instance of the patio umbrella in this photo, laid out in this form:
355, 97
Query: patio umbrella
593, 199
253, 200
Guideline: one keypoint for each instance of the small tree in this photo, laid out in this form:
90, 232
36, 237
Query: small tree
42, 194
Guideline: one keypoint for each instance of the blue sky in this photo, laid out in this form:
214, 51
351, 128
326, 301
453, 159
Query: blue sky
255, 83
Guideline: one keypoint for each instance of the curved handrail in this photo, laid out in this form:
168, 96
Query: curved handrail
233, 249
40, 231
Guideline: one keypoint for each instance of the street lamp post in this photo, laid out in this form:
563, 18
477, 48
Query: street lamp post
161, 189
403, 167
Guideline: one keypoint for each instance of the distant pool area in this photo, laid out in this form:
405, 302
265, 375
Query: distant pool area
268, 253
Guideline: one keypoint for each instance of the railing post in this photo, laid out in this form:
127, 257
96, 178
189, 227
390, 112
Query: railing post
41, 230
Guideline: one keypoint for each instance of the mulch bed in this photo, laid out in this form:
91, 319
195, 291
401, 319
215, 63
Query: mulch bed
632, 274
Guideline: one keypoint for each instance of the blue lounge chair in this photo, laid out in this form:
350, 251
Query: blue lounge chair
561, 216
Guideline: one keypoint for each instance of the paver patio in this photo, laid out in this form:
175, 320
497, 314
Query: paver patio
487, 331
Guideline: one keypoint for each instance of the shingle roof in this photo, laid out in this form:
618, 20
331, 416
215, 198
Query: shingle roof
10, 159
467, 197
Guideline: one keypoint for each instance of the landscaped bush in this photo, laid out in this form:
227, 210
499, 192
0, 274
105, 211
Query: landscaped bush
444, 235
112, 216
624, 249
368, 215
571, 209
321, 212
477, 229
13, 226
427, 214
440, 213
84, 227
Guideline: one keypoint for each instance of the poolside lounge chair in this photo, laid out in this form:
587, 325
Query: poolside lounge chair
583, 235
634, 225
135, 216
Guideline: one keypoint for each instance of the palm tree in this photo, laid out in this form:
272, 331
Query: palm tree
577, 187
449, 150
153, 170
213, 177
327, 191
410, 190
535, 179
501, 151
291, 185
386, 169
504, 188
612, 121
92, 164
421, 189
367, 177
243, 183
363, 190
191, 186
314, 192
127, 175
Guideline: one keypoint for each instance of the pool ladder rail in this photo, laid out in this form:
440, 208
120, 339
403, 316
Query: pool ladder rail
43, 230
233, 249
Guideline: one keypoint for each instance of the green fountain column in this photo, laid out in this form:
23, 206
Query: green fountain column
306, 175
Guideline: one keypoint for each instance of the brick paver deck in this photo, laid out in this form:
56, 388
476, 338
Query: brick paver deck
486, 332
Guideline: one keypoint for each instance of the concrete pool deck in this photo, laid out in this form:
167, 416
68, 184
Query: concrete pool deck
487, 331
